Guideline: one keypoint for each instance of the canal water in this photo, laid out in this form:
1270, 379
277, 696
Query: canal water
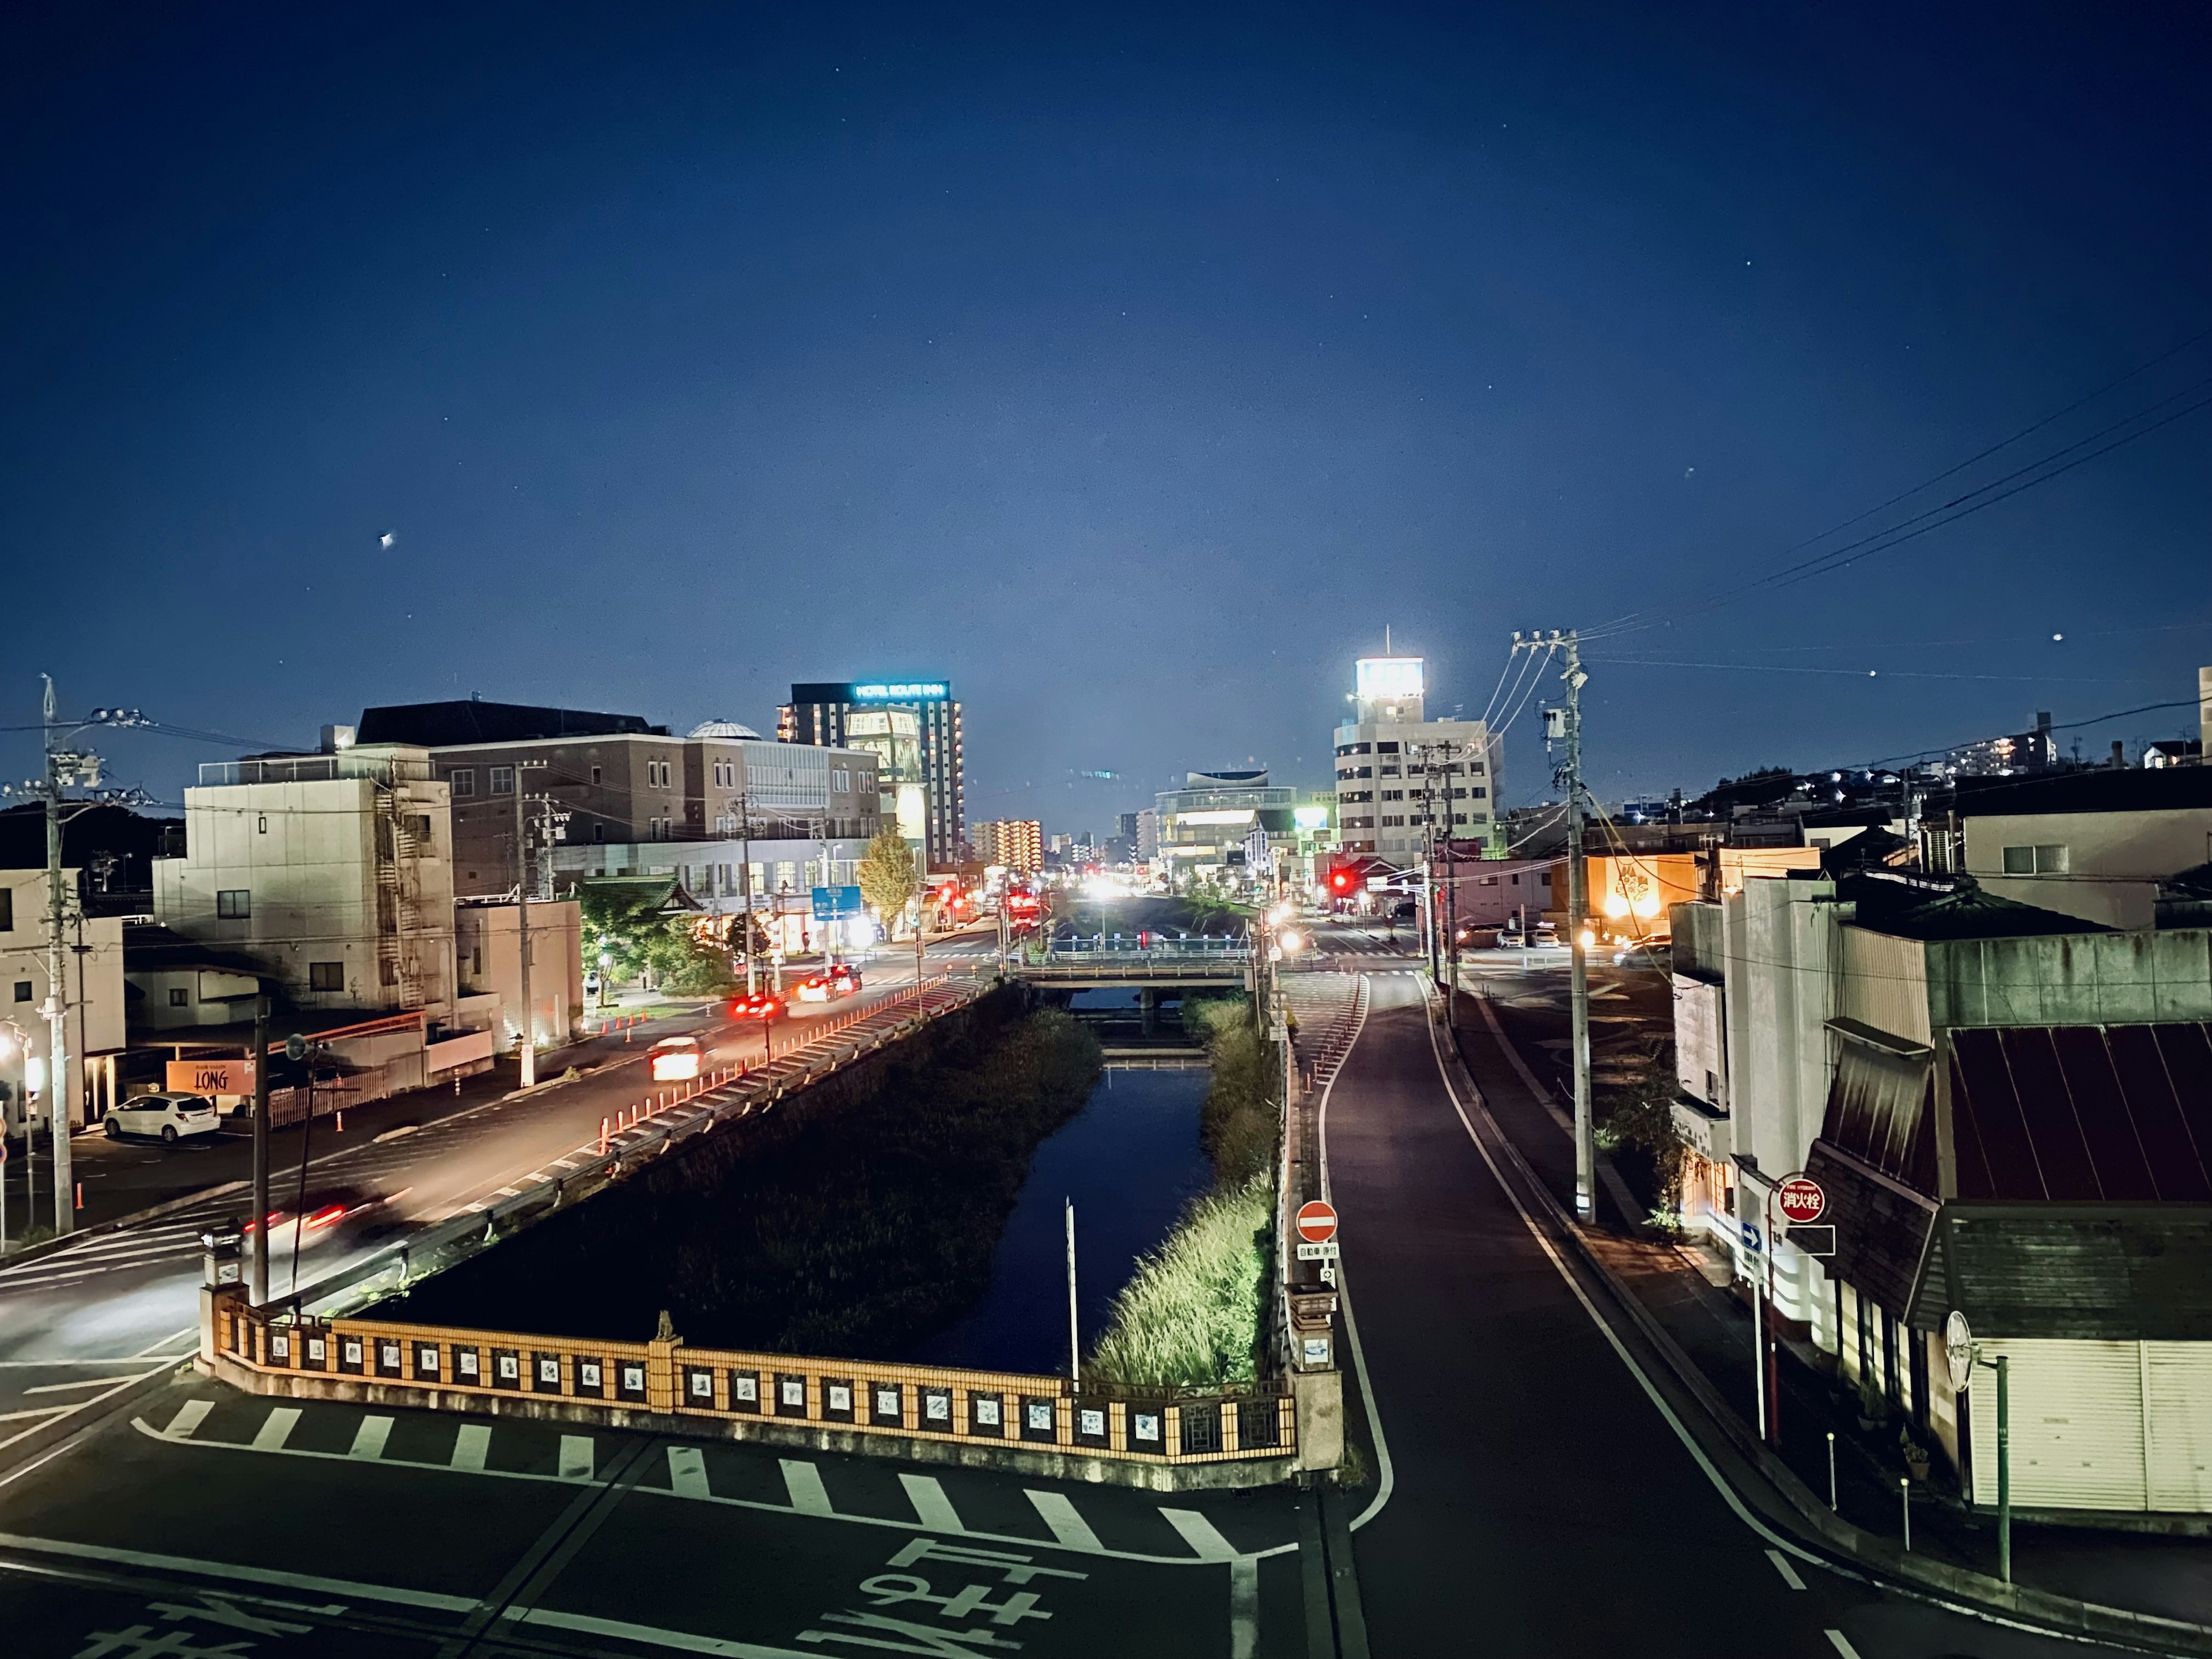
1131, 1160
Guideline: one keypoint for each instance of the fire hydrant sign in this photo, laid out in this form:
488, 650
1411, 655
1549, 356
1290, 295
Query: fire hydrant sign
1801, 1200
1316, 1222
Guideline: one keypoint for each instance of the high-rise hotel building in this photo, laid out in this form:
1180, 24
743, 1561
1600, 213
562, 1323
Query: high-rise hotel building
913, 725
1399, 775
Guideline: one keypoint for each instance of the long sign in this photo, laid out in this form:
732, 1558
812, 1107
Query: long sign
210, 1077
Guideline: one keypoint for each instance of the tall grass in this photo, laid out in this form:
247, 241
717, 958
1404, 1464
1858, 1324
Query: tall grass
1189, 1317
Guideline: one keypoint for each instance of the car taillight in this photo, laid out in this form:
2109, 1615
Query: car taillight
323, 1218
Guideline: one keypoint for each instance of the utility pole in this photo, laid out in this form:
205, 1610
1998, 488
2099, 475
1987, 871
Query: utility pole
745, 879
1566, 724
1074, 1328
259, 1286
525, 878
57, 1008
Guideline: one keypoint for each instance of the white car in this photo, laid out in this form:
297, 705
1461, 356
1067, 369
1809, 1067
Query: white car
170, 1116
676, 1059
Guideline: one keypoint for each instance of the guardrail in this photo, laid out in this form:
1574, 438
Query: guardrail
647, 1128
445, 1367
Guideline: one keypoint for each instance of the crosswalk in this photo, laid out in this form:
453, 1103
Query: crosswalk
1107, 1521
175, 1239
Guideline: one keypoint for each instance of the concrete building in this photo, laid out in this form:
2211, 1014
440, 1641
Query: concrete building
92, 988
1402, 776
486, 941
1206, 826
2094, 844
1016, 843
2003, 1105
821, 712
333, 871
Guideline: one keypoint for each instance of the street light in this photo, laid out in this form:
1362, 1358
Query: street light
1963, 1354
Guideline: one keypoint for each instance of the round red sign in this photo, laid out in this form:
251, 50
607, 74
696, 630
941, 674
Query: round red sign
1801, 1200
1316, 1223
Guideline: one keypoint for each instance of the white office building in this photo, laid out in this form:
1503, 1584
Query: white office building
1399, 774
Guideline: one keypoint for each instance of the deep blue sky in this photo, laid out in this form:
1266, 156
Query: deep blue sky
1133, 368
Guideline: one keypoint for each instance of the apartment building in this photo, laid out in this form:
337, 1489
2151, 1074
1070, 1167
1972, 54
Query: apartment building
1016, 843
1402, 777
609, 794
334, 871
93, 990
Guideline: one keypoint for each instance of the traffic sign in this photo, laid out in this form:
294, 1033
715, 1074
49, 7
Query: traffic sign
1316, 1222
1328, 1250
1801, 1199
832, 903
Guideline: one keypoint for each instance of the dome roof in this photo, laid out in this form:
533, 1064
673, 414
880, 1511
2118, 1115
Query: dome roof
722, 729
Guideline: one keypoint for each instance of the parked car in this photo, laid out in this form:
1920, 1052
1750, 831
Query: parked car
1547, 932
676, 1059
761, 1005
171, 1117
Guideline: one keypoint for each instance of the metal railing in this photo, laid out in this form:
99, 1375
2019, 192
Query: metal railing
453, 1368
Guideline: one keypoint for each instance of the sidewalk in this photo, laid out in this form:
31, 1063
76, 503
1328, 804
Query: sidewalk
123, 1179
2164, 1576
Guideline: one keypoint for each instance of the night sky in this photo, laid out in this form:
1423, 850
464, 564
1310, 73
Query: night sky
1134, 369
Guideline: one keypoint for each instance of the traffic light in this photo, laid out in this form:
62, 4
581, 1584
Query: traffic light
1343, 877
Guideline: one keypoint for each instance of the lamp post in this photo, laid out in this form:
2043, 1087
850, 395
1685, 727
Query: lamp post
1965, 1355
298, 1049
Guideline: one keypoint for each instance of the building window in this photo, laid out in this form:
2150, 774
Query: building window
656, 775
463, 781
599, 833
7, 909
178, 998
1479, 792
500, 781
234, 903
1385, 748
261, 826
595, 774
1393, 794
2035, 860
326, 976
418, 826
23, 990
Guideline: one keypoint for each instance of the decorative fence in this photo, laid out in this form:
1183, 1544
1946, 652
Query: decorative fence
672, 1378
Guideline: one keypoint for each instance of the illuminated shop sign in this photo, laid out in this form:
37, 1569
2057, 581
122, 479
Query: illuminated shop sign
878, 691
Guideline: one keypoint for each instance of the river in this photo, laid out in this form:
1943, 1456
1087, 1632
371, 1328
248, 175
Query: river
1131, 1160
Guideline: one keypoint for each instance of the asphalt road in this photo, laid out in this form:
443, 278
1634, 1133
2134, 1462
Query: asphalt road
90, 1308
1537, 1500
216, 1518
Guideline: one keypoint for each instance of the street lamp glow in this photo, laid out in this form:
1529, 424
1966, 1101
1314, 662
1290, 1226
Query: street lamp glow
1291, 941
1587, 938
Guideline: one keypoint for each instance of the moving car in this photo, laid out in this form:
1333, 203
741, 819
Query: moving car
676, 1059
170, 1116
761, 1005
841, 981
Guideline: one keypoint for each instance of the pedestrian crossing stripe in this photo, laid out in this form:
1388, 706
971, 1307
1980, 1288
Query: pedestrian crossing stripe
933, 1508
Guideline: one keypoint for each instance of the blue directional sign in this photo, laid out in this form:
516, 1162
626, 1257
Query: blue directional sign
834, 903
1751, 1238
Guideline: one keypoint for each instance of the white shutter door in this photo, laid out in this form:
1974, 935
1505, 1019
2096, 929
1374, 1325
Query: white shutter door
2077, 1426
2177, 1379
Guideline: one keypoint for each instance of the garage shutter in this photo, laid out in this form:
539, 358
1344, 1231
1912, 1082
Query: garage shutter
2077, 1426
2178, 1380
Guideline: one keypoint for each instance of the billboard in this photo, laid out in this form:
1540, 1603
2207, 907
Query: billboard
885, 690
1384, 677
209, 1076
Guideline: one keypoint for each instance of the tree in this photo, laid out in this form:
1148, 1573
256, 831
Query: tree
888, 874
626, 923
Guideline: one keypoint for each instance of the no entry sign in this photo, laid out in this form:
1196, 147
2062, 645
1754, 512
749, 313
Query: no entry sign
1801, 1199
1316, 1222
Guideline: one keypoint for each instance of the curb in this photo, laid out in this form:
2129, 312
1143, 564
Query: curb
1876, 1555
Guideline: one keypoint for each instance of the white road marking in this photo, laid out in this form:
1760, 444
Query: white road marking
682, 1641
575, 1457
346, 1587
277, 1428
147, 1352
86, 1383
1069, 1529
931, 1506
687, 1472
1841, 1643
189, 1417
369, 1439
1205, 1540
1788, 1573
35, 1411
470, 1446
803, 1482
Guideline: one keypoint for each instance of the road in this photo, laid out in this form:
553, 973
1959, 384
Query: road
1539, 1500
1527, 1491
91, 1306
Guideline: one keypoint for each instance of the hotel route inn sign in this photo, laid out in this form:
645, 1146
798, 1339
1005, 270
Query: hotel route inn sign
1316, 1226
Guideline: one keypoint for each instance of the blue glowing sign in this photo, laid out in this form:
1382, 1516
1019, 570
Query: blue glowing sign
880, 691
